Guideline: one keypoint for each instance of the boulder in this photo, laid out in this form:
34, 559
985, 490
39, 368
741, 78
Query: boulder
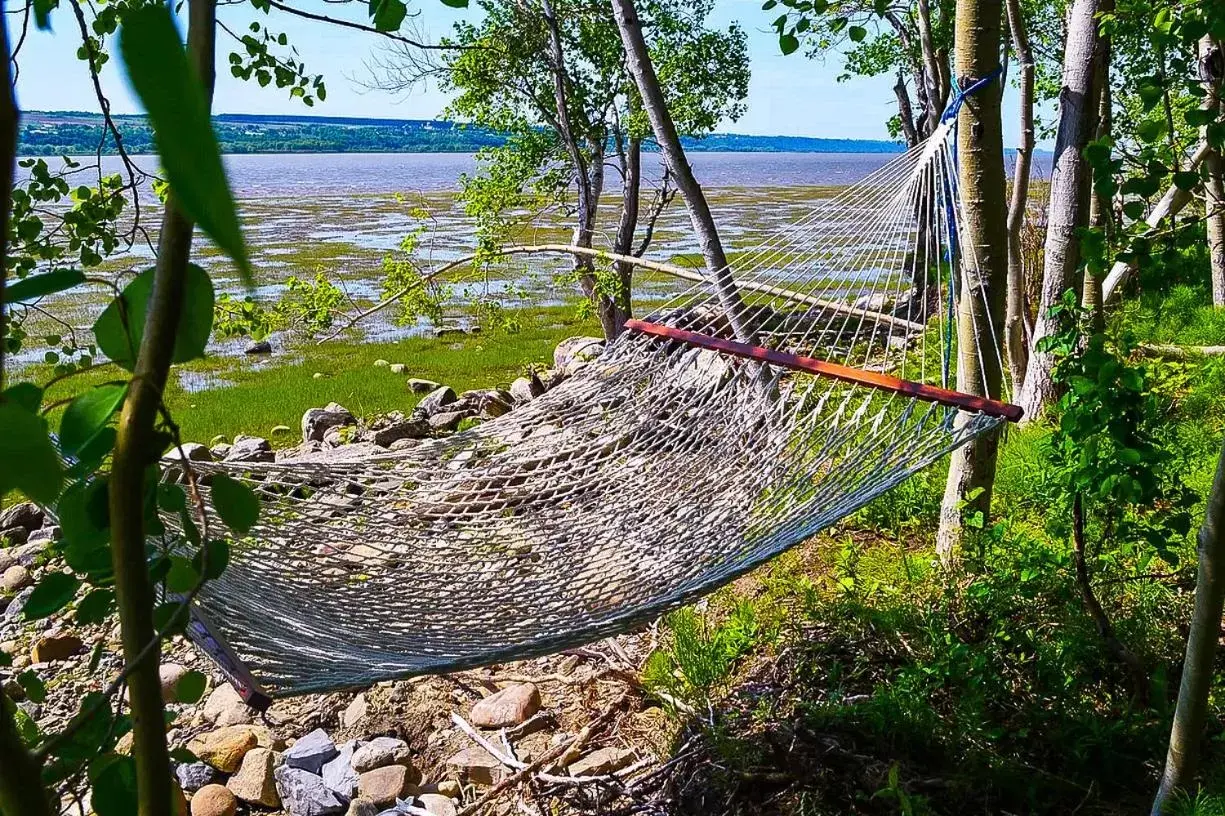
13, 535
312, 752
170, 674
220, 450
318, 421
250, 449
385, 785
395, 426
258, 347
511, 706
26, 515
194, 775
254, 783
436, 400
213, 800
573, 353
338, 773
446, 420
436, 804
194, 451
45, 534
362, 807
16, 578
420, 386
602, 762
488, 402
225, 747
703, 369
477, 765
55, 646
526, 389
225, 706
377, 753
304, 794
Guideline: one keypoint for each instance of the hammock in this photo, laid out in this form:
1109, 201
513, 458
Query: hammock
681, 458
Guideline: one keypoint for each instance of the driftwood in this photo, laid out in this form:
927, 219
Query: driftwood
1172, 352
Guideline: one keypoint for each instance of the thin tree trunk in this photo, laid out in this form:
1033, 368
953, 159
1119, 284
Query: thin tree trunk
1214, 186
905, 112
1099, 205
1069, 201
639, 62
980, 309
937, 84
1016, 343
133, 446
623, 244
1191, 713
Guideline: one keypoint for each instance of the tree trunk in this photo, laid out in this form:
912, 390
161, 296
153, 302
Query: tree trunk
640, 67
623, 244
1016, 343
1069, 202
1100, 215
980, 308
905, 111
133, 589
1210, 68
1191, 713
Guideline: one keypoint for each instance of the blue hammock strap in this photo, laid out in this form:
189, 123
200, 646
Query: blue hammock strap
969, 90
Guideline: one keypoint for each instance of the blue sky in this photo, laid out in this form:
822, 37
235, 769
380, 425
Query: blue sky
788, 95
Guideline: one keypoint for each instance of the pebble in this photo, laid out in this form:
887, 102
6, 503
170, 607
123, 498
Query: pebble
377, 753
353, 714
380, 363
225, 747
436, 804
510, 706
170, 674
397, 368
55, 647
420, 386
15, 578
194, 775
213, 800
602, 762
312, 752
384, 786
226, 707
254, 782
477, 766
304, 794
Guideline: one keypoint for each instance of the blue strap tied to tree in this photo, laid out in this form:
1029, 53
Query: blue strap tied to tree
974, 87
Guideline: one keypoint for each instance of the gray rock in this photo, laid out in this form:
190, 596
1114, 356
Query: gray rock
447, 331
338, 773
220, 450
304, 794
14, 535
377, 753
397, 368
573, 353
420, 386
318, 421
446, 420
45, 534
364, 807
17, 604
26, 515
436, 400
526, 389
250, 449
258, 347
311, 752
195, 452
395, 426
194, 775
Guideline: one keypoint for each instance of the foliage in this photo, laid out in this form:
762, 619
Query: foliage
701, 653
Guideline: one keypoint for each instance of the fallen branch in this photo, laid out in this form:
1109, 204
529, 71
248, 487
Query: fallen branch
1173, 352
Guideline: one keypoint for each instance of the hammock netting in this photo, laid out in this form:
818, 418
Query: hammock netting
659, 472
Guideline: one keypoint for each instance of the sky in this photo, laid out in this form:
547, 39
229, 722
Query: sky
788, 95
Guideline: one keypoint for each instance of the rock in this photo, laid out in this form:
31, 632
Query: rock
304, 794
395, 426
258, 347
226, 707
402, 444
526, 389
250, 449
436, 400
318, 375
510, 706
573, 353
46, 534
338, 773
318, 421
477, 766
703, 369
448, 330
254, 782
220, 450
195, 452
362, 807
170, 674
280, 430
194, 775
13, 689
55, 646
14, 535
397, 368
311, 753
354, 712
15, 578
602, 762
436, 804
26, 515
225, 747
420, 386
377, 753
449, 788
384, 786
381, 364
213, 800
27, 554
446, 420
488, 402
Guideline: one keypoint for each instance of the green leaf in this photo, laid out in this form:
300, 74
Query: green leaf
235, 503
88, 414
28, 461
167, 612
52, 593
190, 687
36, 286
33, 686
95, 606
388, 15
182, 577
1186, 180
1198, 117
1150, 130
456, 3
121, 325
114, 785
42, 13
788, 43
857, 33
27, 395
218, 552
170, 90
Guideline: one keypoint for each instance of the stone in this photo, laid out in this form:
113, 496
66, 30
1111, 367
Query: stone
318, 421
225, 706
436, 804
254, 782
381, 363
395, 426
250, 449
45, 535
14, 535
318, 375
213, 800
311, 753
338, 773
27, 554
446, 420
225, 747
511, 706
220, 450
448, 330
258, 347
436, 400
421, 386
169, 674
15, 578
354, 712
526, 389
362, 807
602, 762
397, 368
573, 353
55, 646
384, 786
377, 753
449, 788
194, 775
477, 766
703, 369
195, 452
304, 794
26, 515
280, 430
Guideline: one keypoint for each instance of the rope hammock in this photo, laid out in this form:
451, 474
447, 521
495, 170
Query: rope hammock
681, 458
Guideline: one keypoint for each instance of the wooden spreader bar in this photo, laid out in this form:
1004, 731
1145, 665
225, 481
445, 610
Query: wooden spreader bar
872, 379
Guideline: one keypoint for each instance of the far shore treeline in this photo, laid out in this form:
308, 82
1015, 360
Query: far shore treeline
57, 133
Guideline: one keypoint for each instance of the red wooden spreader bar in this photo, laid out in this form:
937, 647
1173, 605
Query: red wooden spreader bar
872, 379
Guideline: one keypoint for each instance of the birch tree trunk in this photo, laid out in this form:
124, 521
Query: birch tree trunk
1016, 342
980, 309
1100, 215
1191, 713
639, 62
1210, 66
1069, 201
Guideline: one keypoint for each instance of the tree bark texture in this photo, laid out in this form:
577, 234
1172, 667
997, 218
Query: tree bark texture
1210, 67
1017, 339
1100, 212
